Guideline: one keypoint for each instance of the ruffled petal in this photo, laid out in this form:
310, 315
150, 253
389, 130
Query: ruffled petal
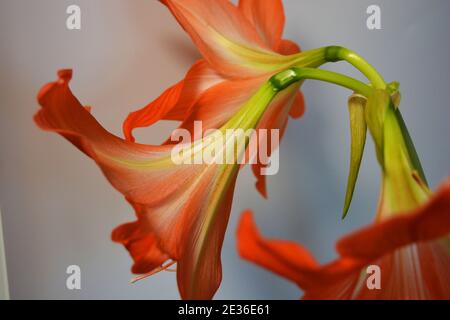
175, 102
143, 173
142, 246
160, 109
225, 37
267, 17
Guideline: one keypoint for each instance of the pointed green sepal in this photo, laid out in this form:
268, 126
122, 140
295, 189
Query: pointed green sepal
358, 129
412, 153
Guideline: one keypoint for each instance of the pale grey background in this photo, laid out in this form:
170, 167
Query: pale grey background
59, 210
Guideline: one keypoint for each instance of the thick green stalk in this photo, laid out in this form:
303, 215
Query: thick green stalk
337, 53
285, 78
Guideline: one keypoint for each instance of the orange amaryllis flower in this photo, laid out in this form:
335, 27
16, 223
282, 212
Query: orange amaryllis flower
182, 209
242, 47
412, 251
409, 242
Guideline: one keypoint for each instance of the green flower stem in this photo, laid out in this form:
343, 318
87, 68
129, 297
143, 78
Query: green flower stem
377, 84
337, 53
285, 78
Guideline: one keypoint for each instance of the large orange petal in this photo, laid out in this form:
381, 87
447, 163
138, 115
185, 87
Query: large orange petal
268, 18
199, 271
138, 171
225, 37
143, 173
175, 102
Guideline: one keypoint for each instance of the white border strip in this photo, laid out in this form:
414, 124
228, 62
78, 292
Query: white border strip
4, 290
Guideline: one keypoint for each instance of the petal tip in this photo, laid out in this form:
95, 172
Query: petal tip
262, 189
127, 129
65, 75
245, 225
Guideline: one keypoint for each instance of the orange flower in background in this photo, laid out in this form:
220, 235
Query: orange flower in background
412, 250
242, 47
182, 208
